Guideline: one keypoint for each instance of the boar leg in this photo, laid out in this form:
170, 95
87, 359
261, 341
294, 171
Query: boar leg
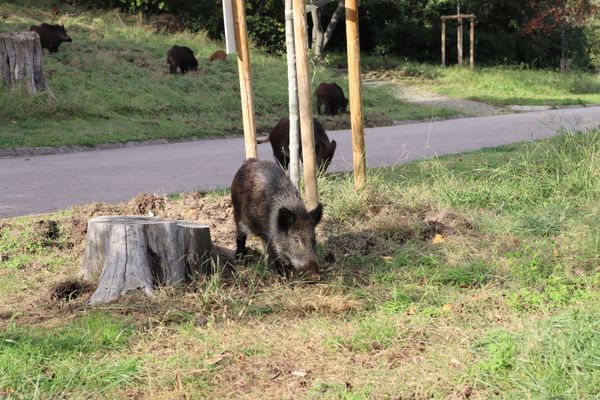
275, 263
240, 241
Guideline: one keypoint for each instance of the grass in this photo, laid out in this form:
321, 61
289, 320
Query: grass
71, 360
112, 85
500, 85
467, 276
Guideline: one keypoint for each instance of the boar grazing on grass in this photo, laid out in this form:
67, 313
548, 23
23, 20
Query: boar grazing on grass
265, 203
183, 58
280, 141
51, 36
331, 97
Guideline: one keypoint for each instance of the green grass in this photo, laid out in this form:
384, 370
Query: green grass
76, 360
501, 85
502, 304
111, 85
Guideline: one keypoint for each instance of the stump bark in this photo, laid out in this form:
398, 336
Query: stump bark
126, 253
21, 62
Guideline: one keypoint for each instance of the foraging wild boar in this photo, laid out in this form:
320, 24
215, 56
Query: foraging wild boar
332, 97
51, 36
183, 58
280, 141
265, 203
218, 55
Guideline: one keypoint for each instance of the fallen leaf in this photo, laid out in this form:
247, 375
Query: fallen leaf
447, 307
438, 239
299, 373
215, 360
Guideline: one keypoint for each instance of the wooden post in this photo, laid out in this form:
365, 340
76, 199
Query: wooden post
306, 114
356, 116
472, 43
294, 166
21, 63
459, 41
443, 43
243, 53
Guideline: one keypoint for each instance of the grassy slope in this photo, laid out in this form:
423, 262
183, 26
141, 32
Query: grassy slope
112, 86
504, 302
497, 85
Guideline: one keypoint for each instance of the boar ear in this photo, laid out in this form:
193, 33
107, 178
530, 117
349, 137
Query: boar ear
317, 213
285, 219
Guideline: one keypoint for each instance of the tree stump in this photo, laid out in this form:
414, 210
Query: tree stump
126, 253
21, 62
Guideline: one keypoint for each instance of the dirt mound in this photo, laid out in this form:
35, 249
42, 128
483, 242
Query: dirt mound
46, 232
445, 223
146, 204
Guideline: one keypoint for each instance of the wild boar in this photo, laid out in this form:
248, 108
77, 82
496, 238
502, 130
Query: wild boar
280, 142
51, 36
265, 203
183, 58
331, 96
218, 55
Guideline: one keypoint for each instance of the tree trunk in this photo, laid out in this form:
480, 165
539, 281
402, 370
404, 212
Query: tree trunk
318, 35
141, 253
321, 38
21, 62
563, 49
294, 167
337, 15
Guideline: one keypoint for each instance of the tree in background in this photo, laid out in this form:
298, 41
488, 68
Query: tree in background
562, 16
320, 37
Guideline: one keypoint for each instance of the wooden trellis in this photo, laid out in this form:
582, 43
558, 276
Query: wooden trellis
459, 37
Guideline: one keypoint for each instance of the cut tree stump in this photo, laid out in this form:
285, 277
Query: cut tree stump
21, 62
126, 253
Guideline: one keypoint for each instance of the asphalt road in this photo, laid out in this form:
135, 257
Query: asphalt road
33, 185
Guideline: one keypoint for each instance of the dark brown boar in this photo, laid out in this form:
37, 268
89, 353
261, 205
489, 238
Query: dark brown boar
331, 97
265, 203
280, 142
183, 58
51, 36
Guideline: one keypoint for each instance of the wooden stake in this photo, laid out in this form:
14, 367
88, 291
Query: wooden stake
306, 113
472, 43
243, 53
294, 166
443, 43
459, 41
356, 116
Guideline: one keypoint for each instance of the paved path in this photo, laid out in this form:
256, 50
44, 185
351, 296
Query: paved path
48, 183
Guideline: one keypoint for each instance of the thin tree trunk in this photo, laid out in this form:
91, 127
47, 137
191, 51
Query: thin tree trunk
294, 167
335, 18
563, 49
318, 35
